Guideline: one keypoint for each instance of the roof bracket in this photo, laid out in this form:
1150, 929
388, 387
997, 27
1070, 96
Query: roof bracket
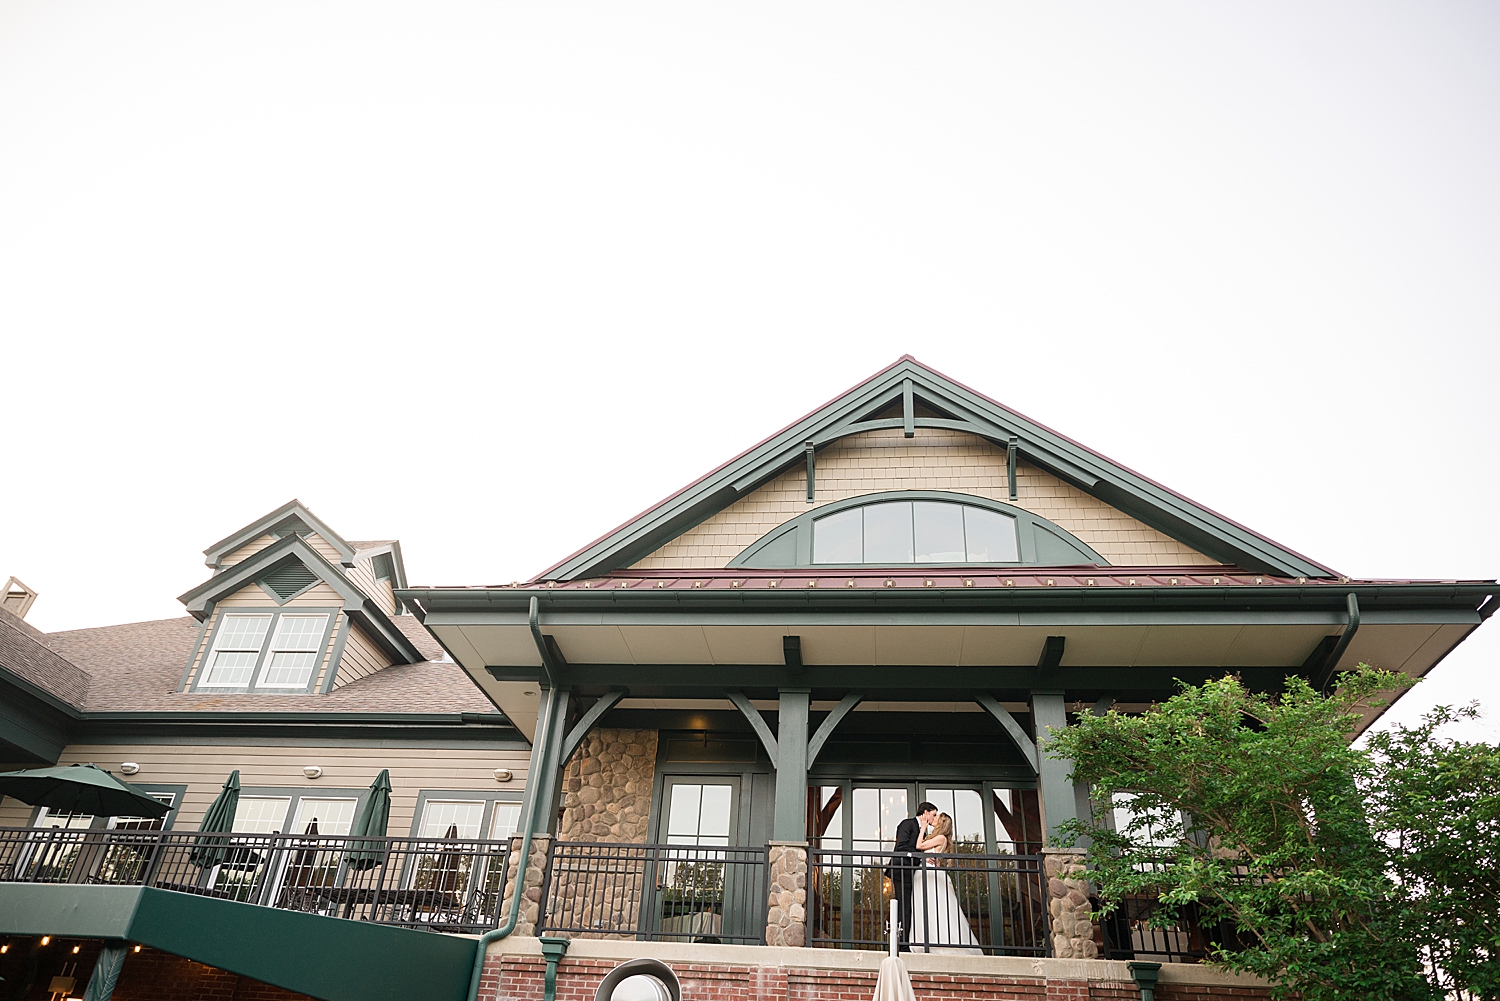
833, 719
811, 463
581, 729
1023, 743
1011, 447
757, 723
908, 410
791, 650
1052, 655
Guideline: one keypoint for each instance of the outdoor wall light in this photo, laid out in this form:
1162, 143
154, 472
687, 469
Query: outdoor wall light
312, 772
640, 980
503, 775
129, 768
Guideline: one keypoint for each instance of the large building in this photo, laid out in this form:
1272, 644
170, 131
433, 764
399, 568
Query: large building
719, 713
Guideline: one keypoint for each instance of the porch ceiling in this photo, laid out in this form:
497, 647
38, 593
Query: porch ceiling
665, 655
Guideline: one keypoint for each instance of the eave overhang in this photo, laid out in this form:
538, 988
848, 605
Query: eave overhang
693, 636
358, 605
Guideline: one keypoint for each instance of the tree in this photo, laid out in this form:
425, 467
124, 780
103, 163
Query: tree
1252, 808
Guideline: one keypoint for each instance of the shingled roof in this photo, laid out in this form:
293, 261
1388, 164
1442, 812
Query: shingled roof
25, 653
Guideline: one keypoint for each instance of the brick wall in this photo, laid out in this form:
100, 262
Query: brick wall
148, 975
933, 460
519, 977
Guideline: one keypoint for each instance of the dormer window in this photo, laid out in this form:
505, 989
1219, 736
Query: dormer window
266, 651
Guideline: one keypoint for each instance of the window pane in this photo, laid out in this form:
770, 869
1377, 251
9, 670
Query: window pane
334, 816
61, 818
888, 533
299, 632
439, 816
939, 532
147, 823
836, 538
288, 670
713, 822
991, 536
507, 818
877, 812
259, 815
682, 816
242, 632
230, 669
964, 806
826, 817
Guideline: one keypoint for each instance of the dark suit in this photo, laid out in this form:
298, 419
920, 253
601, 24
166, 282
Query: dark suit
902, 871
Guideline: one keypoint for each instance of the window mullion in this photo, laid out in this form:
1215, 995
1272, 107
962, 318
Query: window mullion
265, 650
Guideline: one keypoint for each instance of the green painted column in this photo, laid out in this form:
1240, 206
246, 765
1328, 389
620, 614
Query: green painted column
545, 780
790, 823
1059, 804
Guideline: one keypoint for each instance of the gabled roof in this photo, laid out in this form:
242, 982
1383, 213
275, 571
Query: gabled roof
357, 604
912, 386
283, 518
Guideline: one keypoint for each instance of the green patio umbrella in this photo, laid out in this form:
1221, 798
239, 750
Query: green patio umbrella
371, 822
80, 789
218, 820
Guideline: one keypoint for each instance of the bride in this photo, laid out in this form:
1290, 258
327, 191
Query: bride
935, 914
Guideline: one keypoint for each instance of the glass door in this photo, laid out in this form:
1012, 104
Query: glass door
694, 893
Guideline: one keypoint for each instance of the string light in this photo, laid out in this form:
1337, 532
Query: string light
46, 939
75, 950
137, 948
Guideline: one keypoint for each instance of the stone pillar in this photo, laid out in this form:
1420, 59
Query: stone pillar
607, 787
1068, 910
535, 870
786, 919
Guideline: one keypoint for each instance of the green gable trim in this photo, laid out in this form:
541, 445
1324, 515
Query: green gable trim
1041, 542
854, 413
357, 604
293, 510
327, 958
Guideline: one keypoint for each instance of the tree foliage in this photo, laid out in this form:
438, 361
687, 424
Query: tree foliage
1253, 809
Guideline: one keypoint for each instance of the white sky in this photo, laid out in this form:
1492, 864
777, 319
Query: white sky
491, 278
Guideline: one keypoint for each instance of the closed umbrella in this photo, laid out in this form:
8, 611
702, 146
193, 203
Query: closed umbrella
80, 789
218, 820
371, 823
893, 983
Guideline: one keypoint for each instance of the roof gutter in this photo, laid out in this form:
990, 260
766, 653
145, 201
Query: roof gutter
1351, 627
548, 667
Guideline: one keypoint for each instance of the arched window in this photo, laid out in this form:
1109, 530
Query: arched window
917, 527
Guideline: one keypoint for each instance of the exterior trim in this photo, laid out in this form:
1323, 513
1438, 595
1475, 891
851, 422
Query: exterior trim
214, 554
346, 625
1027, 525
1122, 488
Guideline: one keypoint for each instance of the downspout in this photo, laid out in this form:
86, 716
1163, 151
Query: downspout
528, 810
1343, 644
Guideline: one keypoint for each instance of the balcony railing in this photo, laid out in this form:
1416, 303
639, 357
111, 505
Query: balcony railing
993, 905
658, 893
440, 884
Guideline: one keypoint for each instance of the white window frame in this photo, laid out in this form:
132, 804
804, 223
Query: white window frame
266, 651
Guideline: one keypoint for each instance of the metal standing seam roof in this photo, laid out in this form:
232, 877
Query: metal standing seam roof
904, 578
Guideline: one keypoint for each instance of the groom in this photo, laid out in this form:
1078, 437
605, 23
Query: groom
903, 869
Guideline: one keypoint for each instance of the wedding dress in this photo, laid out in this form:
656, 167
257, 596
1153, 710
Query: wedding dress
938, 924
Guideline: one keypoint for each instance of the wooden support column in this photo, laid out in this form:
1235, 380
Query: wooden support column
544, 783
1058, 802
790, 823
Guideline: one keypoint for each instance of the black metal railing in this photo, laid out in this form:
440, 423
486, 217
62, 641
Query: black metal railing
1141, 927
656, 893
442, 884
968, 903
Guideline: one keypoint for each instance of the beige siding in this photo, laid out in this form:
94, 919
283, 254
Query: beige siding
323, 548
246, 552
380, 591
933, 460
361, 658
203, 769
254, 596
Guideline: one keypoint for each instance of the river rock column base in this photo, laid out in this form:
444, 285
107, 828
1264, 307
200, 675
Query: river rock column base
1068, 909
786, 918
531, 897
